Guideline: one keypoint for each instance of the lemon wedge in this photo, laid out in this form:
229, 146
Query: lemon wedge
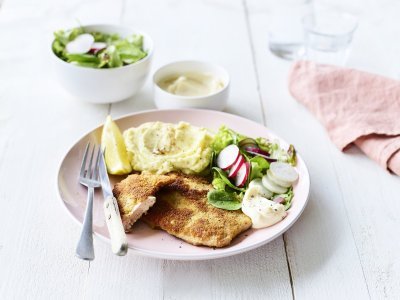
116, 156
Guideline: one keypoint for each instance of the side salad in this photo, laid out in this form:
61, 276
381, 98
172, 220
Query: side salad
97, 49
239, 163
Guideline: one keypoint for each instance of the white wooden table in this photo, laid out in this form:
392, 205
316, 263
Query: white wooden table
346, 245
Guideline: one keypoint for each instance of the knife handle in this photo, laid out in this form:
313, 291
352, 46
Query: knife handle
119, 244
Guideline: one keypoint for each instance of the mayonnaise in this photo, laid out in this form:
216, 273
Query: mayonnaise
191, 84
263, 212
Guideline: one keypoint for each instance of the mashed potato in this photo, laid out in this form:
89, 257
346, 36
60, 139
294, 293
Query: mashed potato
160, 148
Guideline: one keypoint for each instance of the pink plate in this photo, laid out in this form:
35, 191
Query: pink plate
157, 243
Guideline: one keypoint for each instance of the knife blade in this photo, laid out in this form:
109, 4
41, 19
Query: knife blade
104, 180
119, 244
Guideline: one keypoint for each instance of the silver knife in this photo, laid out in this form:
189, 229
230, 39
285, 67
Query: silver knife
119, 244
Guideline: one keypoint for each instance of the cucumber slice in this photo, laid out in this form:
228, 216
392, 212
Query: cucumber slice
277, 181
272, 186
283, 172
263, 190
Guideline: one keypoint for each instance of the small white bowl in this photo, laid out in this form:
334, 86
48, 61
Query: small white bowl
215, 101
106, 85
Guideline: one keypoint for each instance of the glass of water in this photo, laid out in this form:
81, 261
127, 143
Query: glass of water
285, 32
328, 36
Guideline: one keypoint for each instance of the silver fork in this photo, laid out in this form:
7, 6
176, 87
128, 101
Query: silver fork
89, 177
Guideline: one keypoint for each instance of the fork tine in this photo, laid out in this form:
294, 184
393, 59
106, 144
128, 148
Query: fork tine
96, 166
83, 165
89, 168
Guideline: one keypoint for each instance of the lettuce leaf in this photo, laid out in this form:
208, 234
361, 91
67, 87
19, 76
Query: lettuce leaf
288, 196
225, 137
65, 36
62, 38
82, 58
225, 190
111, 57
222, 139
119, 51
218, 173
259, 167
136, 40
218, 183
275, 151
224, 200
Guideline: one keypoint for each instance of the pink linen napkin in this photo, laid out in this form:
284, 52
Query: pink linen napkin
354, 106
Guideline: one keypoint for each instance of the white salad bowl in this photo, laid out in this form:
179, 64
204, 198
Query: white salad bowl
166, 100
106, 85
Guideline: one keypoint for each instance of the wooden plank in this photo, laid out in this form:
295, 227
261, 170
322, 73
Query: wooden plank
258, 274
38, 123
371, 193
322, 252
126, 277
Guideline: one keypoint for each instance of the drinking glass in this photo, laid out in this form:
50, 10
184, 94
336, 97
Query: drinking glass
285, 32
328, 36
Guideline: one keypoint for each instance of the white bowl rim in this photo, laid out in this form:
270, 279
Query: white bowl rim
137, 31
180, 97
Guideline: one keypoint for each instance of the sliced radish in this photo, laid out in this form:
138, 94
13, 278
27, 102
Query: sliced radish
81, 44
256, 150
234, 170
277, 181
277, 189
242, 174
279, 200
283, 172
97, 46
227, 157
267, 158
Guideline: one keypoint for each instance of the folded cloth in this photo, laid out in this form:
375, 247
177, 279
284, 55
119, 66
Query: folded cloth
354, 106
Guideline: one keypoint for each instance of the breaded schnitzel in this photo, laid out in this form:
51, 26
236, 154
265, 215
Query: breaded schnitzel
181, 208
135, 195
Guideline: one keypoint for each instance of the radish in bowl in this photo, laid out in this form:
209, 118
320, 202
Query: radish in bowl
100, 73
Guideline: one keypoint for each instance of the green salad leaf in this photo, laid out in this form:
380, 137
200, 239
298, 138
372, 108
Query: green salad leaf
288, 196
222, 176
225, 137
119, 51
85, 58
222, 139
63, 37
259, 167
66, 36
228, 196
264, 144
105, 38
218, 183
111, 57
292, 155
224, 200
277, 152
136, 40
